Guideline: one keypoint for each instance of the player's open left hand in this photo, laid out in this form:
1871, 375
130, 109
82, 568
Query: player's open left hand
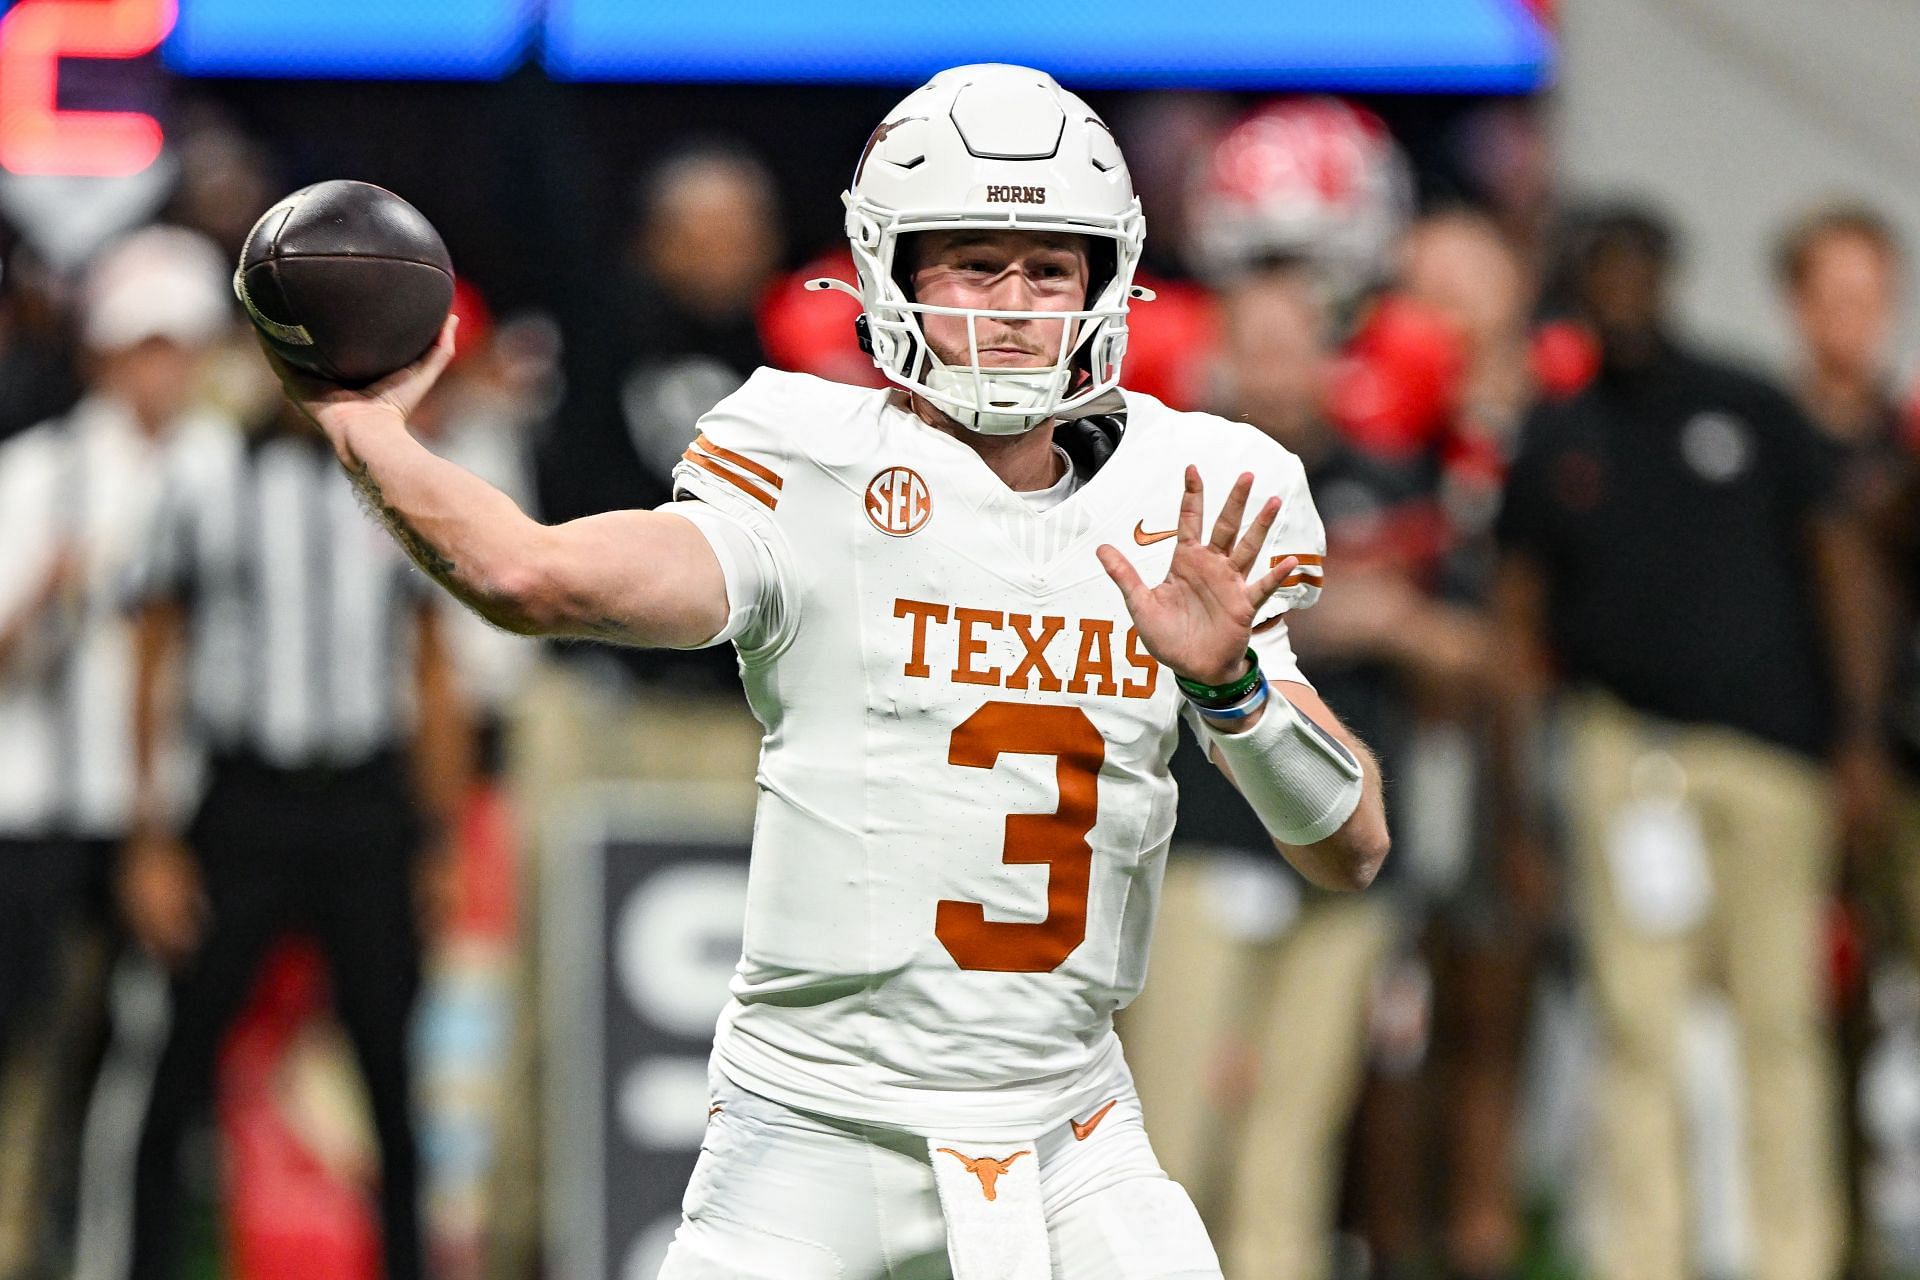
1199, 619
330, 406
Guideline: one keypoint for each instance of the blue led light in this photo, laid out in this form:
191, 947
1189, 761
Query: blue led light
1484, 45
400, 39
1459, 45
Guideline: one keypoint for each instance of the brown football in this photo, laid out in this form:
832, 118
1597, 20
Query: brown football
345, 280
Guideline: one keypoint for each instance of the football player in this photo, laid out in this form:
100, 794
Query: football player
970, 694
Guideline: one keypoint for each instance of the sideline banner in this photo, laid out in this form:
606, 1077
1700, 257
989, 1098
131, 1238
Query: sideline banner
644, 895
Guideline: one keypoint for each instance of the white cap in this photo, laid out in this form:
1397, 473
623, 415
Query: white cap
158, 282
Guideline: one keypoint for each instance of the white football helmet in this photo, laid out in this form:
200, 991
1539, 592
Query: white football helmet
994, 147
1315, 179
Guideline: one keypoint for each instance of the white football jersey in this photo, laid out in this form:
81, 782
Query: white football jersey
964, 795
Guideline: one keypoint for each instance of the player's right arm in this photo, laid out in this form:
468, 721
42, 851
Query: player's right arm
645, 578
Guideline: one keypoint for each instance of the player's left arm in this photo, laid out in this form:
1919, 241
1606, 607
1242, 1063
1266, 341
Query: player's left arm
1313, 784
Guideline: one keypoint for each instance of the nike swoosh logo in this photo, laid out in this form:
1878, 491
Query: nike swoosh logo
1084, 1131
1145, 539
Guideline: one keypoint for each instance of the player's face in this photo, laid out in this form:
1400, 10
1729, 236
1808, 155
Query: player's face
1276, 355
155, 377
1622, 289
999, 271
1846, 303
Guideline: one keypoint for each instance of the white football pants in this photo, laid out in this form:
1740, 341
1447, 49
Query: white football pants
781, 1194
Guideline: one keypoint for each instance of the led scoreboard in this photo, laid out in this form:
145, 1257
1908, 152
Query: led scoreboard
1476, 46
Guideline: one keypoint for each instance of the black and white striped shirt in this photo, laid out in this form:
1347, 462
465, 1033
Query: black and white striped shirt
85, 483
302, 613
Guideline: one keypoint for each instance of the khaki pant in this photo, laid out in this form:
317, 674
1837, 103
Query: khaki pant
1260, 1154
1765, 817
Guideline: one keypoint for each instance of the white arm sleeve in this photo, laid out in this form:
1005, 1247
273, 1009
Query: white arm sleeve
1300, 780
758, 608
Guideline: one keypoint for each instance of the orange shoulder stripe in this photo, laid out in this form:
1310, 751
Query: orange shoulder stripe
745, 486
739, 460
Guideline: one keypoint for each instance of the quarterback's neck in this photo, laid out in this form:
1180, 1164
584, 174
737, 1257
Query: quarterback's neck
1024, 463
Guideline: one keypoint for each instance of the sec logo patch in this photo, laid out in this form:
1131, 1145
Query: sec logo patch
898, 502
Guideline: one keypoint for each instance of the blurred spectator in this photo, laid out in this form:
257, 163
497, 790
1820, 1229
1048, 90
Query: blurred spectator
671, 333
703, 249
1506, 152
227, 179
1270, 978
75, 493
1166, 138
1458, 265
1838, 267
1674, 555
1484, 942
812, 331
682, 335
314, 675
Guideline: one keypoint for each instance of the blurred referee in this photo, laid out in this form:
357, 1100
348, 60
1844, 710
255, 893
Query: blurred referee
76, 492
311, 670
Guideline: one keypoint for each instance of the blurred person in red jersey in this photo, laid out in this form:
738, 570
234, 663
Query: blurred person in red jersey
1680, 573
481, 1147
1489, 927
1296, 219
1321, 182
75, 495
1436, 364
1275, 977
482, 415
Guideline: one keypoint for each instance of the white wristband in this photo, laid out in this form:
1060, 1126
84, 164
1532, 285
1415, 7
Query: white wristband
1301, 781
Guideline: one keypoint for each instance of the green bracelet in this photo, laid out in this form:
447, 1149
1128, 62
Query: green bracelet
1222, 695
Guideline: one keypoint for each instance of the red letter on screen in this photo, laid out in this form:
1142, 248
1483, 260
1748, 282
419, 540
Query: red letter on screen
35, 135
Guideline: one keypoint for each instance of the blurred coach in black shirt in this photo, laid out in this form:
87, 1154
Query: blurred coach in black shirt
1675, 560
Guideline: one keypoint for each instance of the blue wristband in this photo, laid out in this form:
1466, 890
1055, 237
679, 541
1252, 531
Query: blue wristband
1238, 711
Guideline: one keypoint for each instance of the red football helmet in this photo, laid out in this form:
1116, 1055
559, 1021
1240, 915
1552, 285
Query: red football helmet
1313, 179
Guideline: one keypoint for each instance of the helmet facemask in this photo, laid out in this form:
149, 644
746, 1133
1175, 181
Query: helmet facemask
990, 399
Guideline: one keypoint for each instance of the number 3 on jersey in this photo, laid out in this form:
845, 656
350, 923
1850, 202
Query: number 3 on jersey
1057, 839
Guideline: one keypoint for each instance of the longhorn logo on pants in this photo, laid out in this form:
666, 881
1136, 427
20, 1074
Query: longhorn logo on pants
986, 1168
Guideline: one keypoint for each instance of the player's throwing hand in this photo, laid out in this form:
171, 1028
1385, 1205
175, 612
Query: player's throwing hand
330, 406
1199, 619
